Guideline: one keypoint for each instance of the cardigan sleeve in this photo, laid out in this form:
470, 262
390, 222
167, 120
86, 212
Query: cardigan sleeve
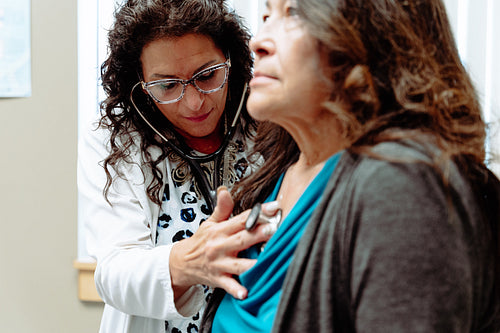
411, 266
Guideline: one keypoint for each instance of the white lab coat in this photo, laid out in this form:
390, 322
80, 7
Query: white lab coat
132, 275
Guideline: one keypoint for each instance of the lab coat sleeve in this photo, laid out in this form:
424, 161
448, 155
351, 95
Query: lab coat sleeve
132, 275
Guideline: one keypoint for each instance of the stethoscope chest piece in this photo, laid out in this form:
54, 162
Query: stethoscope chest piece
256, 216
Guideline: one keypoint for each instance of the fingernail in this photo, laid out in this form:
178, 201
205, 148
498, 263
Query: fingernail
272, 206
220, 188
241, 295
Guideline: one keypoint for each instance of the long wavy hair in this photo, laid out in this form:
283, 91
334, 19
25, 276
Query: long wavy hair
137, 23
395, 72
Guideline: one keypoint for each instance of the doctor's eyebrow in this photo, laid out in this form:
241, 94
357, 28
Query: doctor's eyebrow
159, 76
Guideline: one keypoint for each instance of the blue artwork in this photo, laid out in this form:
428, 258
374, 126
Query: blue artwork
15, 48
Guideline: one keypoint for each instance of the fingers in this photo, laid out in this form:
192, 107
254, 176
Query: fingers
237, 237
237, 223
224, 207
229, 283
233, 266
210, 256
231, 286
271, 208
269, 229
244, 239
234, 224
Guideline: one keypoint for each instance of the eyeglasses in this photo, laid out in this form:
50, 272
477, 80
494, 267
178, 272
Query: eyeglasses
207, 81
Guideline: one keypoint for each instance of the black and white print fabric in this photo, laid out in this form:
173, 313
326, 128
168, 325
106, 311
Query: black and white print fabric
184, 209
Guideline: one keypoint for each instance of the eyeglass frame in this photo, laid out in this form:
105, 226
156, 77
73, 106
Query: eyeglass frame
226, 64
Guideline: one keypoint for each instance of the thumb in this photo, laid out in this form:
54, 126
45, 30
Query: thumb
224, 207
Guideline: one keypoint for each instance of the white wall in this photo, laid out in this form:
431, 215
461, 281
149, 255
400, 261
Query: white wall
251, 11
476, 27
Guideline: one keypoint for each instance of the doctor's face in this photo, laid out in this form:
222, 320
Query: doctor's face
196, 114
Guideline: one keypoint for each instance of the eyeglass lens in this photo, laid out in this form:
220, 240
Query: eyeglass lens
206, 81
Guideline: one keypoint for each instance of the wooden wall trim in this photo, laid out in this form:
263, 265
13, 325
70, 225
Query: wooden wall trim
86, 285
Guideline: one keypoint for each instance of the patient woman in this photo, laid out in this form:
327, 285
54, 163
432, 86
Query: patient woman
375, 150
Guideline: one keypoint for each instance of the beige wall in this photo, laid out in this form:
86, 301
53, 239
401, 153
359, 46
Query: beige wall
38, 198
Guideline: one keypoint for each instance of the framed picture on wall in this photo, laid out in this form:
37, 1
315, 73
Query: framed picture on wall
15, 48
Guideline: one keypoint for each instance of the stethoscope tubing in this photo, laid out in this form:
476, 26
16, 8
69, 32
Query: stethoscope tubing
193, 160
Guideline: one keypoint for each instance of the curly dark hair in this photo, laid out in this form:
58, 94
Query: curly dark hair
139, 22
394, 70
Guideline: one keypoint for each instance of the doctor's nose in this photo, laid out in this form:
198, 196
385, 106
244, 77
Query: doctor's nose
193, 98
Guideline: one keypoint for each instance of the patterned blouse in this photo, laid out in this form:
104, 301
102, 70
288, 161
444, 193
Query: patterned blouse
184, 208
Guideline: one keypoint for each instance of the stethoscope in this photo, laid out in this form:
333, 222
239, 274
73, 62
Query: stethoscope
256, 217
194, 161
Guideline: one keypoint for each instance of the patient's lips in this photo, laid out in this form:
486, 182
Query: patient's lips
262, 78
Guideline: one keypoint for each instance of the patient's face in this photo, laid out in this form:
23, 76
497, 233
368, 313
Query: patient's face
288, 85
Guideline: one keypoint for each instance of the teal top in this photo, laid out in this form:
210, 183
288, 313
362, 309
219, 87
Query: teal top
265, 279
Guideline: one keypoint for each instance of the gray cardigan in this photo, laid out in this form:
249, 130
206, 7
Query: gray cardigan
391, 249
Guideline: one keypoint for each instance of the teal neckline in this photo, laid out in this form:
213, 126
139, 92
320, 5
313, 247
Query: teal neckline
265, 279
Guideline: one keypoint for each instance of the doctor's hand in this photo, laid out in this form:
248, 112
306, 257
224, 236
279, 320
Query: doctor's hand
210, 256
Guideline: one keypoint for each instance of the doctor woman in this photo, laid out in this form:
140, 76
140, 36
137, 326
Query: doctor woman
173, 129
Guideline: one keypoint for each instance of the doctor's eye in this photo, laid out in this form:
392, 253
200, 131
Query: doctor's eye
205, 76
167, 85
